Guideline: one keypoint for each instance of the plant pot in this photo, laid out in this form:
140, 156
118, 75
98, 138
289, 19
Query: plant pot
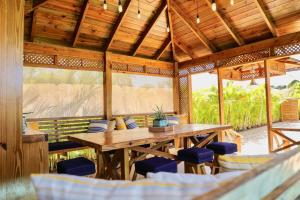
160, 123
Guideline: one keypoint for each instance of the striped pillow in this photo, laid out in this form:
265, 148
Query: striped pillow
130, 123
97, 126
173, 120
120, 123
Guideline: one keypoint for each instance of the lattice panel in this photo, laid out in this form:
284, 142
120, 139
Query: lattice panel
184, 95
39, 59
119, 66
183, 72
250, 75
167, 72
136, 68
287, 50
197, 69
152, 70
69, 62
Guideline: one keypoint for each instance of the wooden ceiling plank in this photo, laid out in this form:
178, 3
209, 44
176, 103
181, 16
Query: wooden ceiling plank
118, 23
152, 22
78, 26
184, 48
184, 17
239, 40
292, 38
163, 48
170, 23
267, 18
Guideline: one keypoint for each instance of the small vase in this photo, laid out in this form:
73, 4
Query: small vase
160, 123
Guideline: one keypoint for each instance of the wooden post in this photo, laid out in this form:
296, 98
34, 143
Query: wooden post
11, 57
176, 89
268, 104
221, 102
107, 86
190, 99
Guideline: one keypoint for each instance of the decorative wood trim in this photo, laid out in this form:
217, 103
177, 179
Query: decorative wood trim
170, 22
227, 25
184, 48
107, 86
118, 23
163, 48
81, 18
184, 17
152, 22
266, 16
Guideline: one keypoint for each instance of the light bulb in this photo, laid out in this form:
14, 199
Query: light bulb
105, 5
120, 8
214, 6
139, 14
232, 2
198, 19
168, 29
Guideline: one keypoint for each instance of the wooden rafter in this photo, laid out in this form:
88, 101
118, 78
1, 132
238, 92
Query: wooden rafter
184, 48
184, 17
163, 48
266, 16
152, 22
82, 15
36, 6
227, 25
170, 23
118, 23
33, 26
269, 43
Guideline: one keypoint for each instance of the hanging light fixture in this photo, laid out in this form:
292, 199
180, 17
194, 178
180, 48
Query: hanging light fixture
104, 5
168, 28
232, 2
139, 11
214, 5
120, 8
198, 18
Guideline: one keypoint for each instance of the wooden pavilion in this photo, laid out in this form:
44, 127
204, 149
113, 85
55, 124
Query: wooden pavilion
238, 40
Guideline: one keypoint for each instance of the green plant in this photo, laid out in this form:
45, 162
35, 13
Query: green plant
159, 114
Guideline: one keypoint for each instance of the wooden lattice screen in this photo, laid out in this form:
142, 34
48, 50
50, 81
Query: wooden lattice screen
184, 95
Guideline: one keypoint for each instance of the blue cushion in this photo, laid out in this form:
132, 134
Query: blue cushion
96, 126
196, 155
155, 164
173, 120
77, 166
222, 147
130, 123
56, 146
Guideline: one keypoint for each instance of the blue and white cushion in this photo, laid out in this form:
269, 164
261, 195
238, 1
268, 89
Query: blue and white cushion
97, 126
130, 123
173, 120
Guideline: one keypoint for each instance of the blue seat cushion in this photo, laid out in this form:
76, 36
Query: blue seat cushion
222, 147
77, 166
56, 146
155, 164
196, 155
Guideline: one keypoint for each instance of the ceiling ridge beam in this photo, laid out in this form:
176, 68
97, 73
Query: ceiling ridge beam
184, 48
147, 30
163, 48
118, 23
239, 40
182, 15
79, 23
170, 23
266, 16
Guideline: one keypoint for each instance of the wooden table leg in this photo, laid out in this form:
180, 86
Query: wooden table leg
100, 164
125, 168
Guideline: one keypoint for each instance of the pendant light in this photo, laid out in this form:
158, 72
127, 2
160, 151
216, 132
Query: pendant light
214, 5
104, 5
139, 11
168, 28
198, 18
120, 8
232, 2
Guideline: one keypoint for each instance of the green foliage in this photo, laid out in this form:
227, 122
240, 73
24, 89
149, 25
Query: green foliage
159, 114
244, 108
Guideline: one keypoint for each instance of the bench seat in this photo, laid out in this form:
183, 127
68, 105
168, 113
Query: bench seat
65, 145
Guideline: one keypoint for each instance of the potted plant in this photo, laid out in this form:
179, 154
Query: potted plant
160, 119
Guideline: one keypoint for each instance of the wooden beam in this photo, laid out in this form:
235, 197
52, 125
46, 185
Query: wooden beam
170, 23
268, 104
185, 18
118, 23
227, 25
266, 16
33, 26
190, 99
163, 48
221, 102
107, 86
79, 23
292, 38
152, 22
185, 49
36, 6
176, 89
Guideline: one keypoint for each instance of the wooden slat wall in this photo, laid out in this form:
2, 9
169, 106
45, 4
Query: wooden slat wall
11, 57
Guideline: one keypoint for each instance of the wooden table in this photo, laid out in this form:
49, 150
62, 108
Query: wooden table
112, 148
277, 131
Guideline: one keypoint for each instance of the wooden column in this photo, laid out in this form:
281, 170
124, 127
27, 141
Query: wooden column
190, 99
221, 102
268, 104
176, 89
107, 86
11, 63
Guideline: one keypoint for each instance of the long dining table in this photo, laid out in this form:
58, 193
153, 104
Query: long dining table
113, 148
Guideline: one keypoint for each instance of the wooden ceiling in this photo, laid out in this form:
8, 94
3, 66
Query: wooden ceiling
85, 24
